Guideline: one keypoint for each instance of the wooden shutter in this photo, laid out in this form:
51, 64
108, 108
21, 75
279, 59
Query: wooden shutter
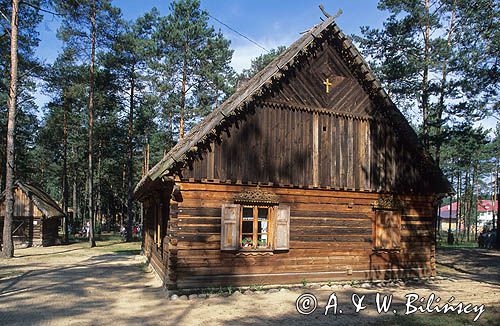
282, 231
388, 229
230, 227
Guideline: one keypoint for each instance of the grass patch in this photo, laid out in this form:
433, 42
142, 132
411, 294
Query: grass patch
127, 251
119, 247
461, 245
256, 287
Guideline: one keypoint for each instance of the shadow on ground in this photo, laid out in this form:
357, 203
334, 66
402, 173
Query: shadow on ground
482, 265
100, 288
92, 287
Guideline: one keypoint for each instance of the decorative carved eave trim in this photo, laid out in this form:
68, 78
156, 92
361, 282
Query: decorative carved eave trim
256, 196
346, 115
388, 202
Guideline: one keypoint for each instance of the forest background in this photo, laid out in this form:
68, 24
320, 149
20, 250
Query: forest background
105, 88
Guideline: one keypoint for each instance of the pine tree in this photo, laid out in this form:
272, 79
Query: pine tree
260, 63
197, 61
7, 245
93, 20
438, 56
131, 51
28, 69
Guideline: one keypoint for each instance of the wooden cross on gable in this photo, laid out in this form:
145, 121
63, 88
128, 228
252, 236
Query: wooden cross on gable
332, 82
327, 84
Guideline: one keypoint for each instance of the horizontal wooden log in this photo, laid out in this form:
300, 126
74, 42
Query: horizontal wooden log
241, 280
373, 258
201, 230
297, 231
199, 211
210, 187
331, 238
331, 222
330, 213
234, 270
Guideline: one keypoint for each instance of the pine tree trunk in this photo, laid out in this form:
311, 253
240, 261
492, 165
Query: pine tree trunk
449, 217
425, 79
122, 199
498, 205
130, 176
477, 199
470, 195
7, 245
65, 169
440, 106
99, 201
91, 121
459, 205
183, 96
465, 204
170, 140
495, 195
75, 202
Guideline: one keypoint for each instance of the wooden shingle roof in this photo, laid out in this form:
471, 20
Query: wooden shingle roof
255, 89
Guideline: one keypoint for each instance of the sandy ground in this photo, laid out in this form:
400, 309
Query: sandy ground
73, 285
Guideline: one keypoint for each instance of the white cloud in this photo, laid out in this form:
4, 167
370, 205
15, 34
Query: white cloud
245, 52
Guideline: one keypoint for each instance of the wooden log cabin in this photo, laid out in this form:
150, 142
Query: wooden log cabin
308, 172
36, 216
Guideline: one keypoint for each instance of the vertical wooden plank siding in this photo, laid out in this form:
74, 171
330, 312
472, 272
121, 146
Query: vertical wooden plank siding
301, 149
315, 157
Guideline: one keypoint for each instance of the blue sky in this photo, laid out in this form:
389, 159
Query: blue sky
269, 22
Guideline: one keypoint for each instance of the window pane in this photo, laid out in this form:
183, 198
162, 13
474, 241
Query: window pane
262, 240
262, 221
262, 226
247, 227
247, 213
246, 241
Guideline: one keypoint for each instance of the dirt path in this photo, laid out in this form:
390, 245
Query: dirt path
479, 264
70, 285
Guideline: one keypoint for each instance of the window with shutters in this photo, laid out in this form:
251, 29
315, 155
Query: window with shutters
387, 229
255, 227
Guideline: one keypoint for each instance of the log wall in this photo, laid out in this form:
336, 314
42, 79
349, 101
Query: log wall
158, 214
330, 239
29, 227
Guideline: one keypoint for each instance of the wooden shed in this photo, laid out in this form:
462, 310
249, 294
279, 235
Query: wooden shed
308, 172
36, 216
